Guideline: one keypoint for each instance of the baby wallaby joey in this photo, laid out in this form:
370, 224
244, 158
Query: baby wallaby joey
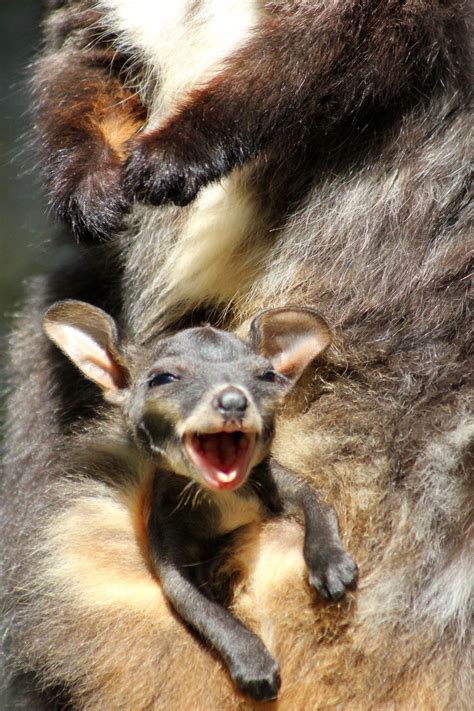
201, 404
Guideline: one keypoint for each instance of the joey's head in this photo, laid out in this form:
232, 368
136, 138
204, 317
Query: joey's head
202, 401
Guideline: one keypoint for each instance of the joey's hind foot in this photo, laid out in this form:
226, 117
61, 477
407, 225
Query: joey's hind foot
332, 572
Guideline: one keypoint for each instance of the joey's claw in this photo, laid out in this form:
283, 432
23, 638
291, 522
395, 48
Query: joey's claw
333, 573
257, 678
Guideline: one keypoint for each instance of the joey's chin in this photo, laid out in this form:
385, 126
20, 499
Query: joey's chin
223, 459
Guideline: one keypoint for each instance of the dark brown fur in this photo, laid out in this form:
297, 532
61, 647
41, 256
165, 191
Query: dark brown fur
84, 118
362, 189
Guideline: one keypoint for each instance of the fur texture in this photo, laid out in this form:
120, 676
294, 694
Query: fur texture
350, 123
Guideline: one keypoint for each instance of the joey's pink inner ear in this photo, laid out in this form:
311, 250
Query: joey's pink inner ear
290, 337
89, 337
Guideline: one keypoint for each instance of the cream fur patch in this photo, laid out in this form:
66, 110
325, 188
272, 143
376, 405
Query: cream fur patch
93, 556
213, 256
237, 511
206, 263
271, 560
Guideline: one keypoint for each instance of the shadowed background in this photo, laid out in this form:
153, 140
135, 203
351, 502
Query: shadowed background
24, 227
23, 222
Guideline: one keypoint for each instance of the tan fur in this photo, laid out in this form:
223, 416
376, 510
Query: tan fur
102, 564
117, 131
100, 573
237, 511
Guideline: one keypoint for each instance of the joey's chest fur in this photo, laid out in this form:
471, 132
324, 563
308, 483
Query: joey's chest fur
203, 515
236, 509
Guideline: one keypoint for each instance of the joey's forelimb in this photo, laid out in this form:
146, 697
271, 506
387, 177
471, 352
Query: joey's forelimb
331, 569
251, 666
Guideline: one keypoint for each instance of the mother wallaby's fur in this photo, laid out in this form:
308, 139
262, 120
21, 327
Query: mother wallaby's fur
346, 127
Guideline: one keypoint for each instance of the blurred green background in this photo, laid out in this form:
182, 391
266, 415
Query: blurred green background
23, 222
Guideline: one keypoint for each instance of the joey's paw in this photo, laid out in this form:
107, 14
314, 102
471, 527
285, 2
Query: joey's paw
257, 676
332, 572
164, 167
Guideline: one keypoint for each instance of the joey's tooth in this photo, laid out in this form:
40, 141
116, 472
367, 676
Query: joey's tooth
227, 477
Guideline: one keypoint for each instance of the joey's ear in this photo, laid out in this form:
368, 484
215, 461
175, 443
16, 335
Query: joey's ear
89, 337
290, 337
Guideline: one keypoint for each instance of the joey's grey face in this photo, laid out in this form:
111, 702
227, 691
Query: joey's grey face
207, 405
204, 401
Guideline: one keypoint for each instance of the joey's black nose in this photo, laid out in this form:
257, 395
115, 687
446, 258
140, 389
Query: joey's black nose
231, 402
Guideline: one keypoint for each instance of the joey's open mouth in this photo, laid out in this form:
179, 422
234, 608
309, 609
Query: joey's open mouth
222, 458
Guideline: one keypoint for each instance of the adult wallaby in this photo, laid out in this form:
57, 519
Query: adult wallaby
343, 132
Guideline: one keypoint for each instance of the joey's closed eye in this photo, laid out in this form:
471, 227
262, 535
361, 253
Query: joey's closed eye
157, 379
271, 376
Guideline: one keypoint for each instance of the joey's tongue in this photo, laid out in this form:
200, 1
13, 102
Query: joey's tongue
221, 450
222, 458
